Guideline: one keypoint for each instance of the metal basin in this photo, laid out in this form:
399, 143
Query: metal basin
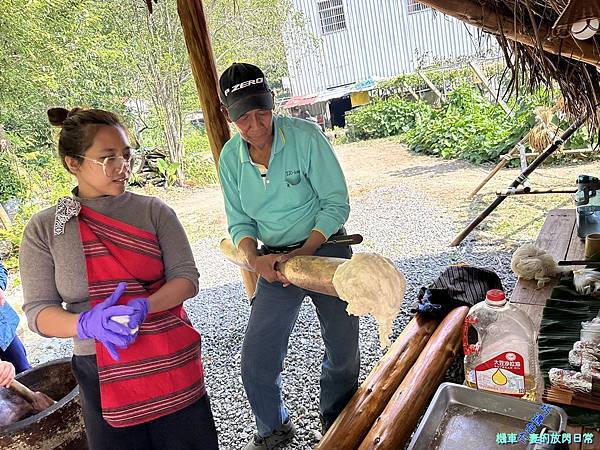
58, 427
462, 418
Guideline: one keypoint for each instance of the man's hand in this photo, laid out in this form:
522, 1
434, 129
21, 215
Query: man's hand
2, 298
265, 267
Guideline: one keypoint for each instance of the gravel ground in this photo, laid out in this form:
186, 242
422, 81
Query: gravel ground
418, 247
411, 230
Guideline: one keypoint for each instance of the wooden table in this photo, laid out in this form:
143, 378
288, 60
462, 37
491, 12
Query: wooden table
558, 237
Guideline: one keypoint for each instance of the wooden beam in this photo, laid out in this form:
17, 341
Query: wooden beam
474, 13
197, 40
432, 86
204, 69
495, 95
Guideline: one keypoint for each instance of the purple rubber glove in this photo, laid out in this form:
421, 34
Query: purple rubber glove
96, 323
140, 306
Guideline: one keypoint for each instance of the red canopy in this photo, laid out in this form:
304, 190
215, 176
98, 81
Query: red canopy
300, 101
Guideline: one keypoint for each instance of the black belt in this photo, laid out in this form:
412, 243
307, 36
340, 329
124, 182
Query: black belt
338, 238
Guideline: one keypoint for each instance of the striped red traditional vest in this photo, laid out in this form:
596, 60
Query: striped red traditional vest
161, 372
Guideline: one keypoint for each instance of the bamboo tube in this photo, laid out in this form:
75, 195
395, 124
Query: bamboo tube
560, 140
4, 219
393, 427
313, 273
353, 424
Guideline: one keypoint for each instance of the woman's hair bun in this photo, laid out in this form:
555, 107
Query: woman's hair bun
57, 116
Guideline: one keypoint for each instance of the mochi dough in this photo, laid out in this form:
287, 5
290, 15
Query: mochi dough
370, 283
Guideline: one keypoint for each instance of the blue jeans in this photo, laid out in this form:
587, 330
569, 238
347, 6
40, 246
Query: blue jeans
15, 354
272, 318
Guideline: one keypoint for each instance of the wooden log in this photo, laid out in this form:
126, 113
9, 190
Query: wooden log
393, 427
484, 17
355, 421
313, 273
249, 280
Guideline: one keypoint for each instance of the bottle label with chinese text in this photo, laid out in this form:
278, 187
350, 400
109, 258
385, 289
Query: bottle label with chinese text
504, 374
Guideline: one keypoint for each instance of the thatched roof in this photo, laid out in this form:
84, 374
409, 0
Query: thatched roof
536, 53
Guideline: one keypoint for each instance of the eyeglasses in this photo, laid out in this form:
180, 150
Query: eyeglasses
113, 165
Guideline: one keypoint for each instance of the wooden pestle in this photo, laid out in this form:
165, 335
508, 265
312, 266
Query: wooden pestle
38, 400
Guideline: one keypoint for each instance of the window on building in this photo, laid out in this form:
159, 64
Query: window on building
414, 6
331, 14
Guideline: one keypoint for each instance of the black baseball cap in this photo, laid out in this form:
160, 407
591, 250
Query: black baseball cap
243, 87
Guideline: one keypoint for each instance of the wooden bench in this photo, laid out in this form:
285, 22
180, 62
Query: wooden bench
558, 237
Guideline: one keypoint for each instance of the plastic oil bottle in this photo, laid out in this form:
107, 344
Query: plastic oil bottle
504, 359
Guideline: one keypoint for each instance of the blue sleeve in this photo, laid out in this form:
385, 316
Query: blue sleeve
239, 224
327, 179
3, 277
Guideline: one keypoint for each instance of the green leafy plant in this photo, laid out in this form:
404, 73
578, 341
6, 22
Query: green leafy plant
168, 170
385, 118
11, 184
468, 126
198, 161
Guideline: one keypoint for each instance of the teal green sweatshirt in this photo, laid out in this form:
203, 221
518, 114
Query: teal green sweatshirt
304, 188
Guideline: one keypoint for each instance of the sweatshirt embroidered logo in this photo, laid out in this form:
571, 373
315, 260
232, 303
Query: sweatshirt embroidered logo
245, 84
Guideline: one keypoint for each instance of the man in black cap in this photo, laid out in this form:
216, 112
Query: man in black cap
283, 186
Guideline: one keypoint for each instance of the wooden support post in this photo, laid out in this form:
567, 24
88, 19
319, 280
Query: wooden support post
495, 95
197, 40
411, 91
431, 86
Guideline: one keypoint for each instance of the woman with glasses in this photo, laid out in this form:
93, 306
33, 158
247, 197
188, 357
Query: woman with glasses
121, 265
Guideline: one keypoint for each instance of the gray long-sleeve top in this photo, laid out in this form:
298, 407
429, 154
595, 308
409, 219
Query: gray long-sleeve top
53, 268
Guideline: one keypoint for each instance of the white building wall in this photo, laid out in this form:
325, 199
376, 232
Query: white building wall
381, 39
